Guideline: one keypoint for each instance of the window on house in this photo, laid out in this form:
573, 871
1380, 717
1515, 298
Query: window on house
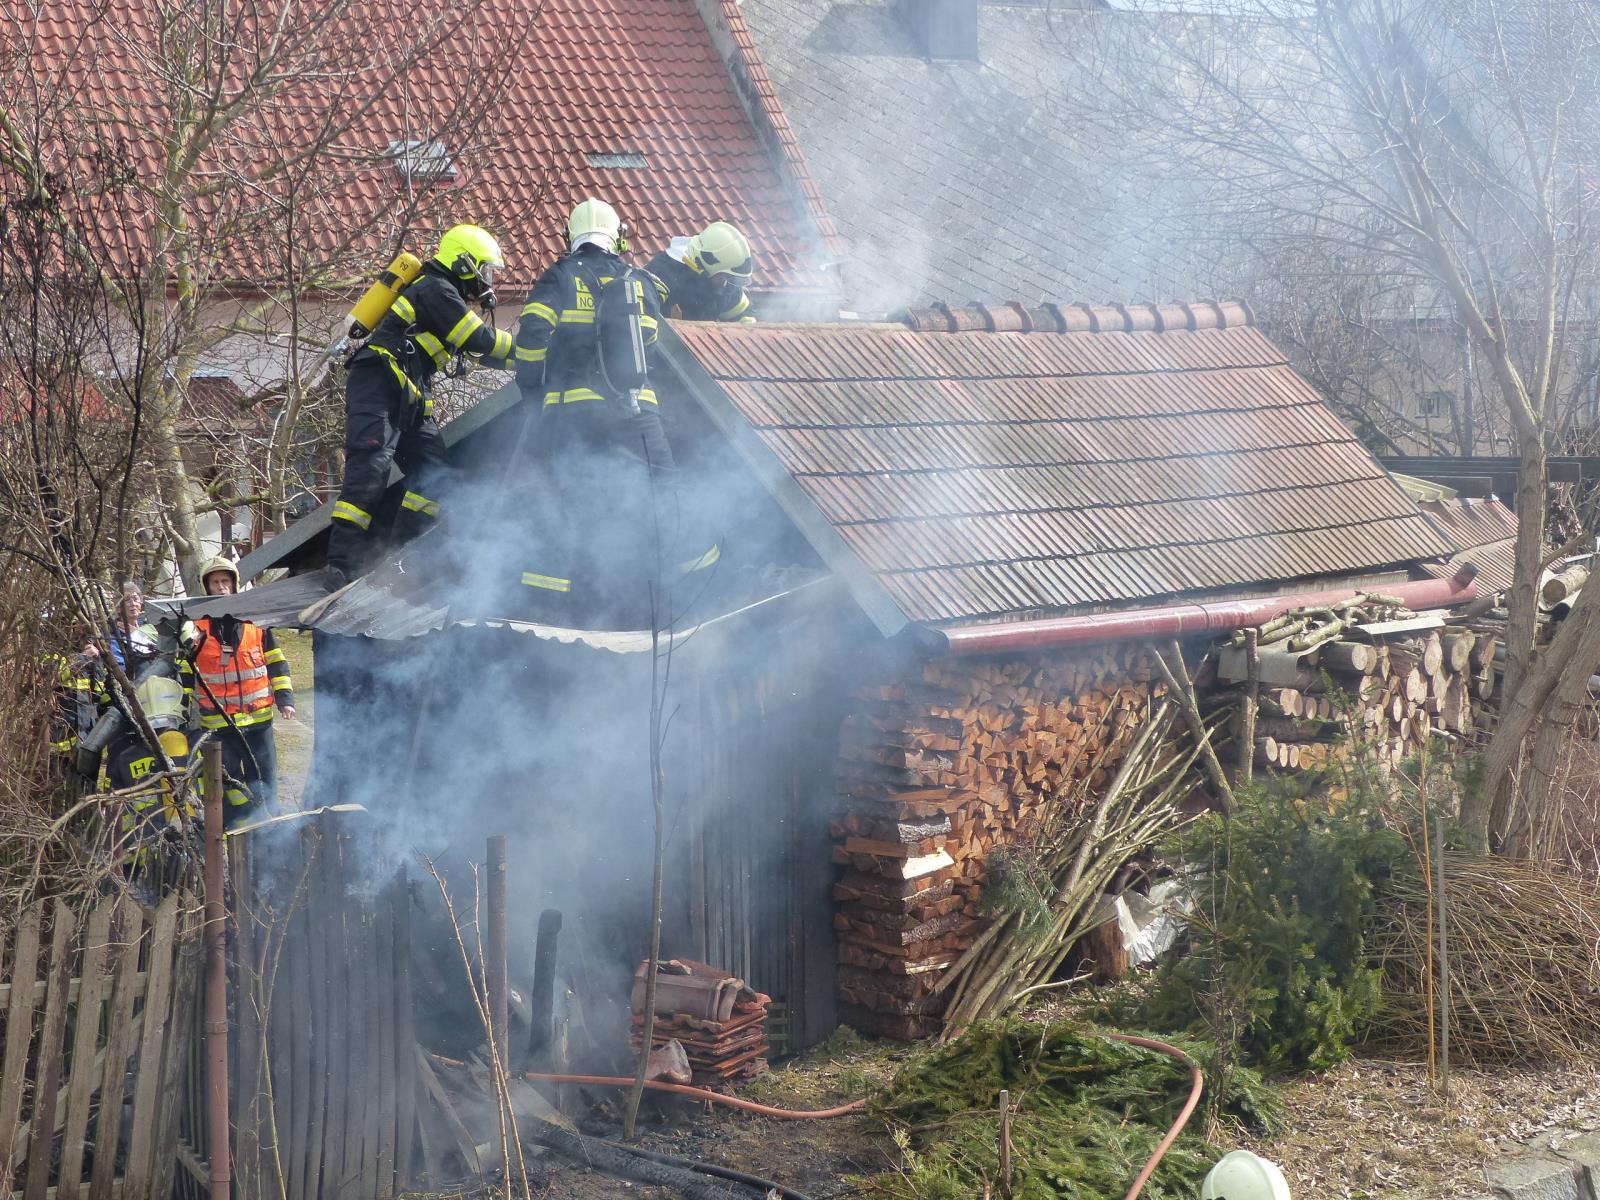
422, 160
1435, 404
623, 161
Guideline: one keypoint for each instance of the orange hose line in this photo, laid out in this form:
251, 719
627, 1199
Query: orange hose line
1196, 1086
766, 1110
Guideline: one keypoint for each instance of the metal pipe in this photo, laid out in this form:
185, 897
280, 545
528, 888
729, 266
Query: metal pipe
494, 949
1183, 620
216, 939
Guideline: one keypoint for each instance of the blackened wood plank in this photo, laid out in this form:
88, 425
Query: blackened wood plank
298, 1101
405, 1067
139, 1174
19, 1035
122, 1031
316, 995
384, 994
99, 962
246, 1022
63, 954
182, 1040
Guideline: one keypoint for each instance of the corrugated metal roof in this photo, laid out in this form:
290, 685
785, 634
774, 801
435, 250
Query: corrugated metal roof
1481, 532
992, 471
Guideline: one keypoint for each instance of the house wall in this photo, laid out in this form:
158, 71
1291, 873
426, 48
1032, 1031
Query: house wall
548, 744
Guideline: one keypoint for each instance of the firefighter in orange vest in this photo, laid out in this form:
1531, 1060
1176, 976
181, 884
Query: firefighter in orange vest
237, 678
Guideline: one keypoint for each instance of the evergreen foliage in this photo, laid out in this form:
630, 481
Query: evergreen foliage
1090, 1112
1285, 894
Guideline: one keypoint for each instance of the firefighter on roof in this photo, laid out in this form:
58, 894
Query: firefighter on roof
237, 678
702, 278
388, 398
585, 347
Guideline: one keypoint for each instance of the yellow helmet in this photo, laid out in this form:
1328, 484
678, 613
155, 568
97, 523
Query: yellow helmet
720, 249
470, 253
595, 221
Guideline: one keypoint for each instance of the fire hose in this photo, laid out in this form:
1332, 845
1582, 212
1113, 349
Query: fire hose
683, 1089
1196, 1087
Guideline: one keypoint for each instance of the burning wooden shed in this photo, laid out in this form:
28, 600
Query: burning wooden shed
963, 536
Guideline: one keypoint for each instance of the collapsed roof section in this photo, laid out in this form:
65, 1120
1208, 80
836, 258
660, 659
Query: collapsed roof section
980, 463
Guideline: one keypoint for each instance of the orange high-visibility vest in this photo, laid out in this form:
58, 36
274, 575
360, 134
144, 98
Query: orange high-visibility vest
236, 675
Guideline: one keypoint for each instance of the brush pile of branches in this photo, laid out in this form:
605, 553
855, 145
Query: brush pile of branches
1521, 943
1083, 1114
1049, 888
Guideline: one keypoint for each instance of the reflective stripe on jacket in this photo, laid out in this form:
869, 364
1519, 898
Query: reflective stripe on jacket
237, 676
427, 326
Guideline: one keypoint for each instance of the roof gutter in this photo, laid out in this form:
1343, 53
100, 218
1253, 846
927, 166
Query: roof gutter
1184, 620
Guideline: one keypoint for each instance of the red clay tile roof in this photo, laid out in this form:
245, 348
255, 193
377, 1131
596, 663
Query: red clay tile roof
980, 474
606, 77
1481, 532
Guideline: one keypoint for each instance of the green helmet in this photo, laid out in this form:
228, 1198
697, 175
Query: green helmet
470, 253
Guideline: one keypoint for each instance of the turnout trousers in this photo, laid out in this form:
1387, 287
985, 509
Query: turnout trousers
387, 422
249, 770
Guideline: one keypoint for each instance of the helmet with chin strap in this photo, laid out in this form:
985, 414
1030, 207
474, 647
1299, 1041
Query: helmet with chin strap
720, 249
471, 256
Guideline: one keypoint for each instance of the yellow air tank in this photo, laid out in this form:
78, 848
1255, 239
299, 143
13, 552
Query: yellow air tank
375, 303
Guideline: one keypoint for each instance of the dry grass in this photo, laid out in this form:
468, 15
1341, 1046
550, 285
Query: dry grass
1373, 1130
296, 738
1524, 974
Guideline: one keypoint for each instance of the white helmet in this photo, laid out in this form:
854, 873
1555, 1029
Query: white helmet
720, 249
1240, 1175
594, 222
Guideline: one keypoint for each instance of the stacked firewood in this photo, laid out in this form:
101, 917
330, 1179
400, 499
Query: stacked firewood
719, 1020
1392, 682
935, 772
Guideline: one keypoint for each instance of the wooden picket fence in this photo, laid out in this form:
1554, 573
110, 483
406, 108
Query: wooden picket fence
324, 1062
99, 1003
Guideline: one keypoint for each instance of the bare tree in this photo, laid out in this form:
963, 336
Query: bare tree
1452, 143
265, 155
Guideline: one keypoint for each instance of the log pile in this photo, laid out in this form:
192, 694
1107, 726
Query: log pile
935, 772
719, 1020
1391, 684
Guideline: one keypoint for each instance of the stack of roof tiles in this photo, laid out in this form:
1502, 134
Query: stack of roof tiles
718, 1019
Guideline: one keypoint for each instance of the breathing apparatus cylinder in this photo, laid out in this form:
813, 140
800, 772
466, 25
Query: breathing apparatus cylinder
378, 298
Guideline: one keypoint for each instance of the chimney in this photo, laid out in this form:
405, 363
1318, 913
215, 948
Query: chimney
943, 29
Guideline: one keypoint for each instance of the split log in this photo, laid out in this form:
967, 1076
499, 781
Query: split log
1432, 654
1355, 657
1564, 584
1458, 650
1483, 653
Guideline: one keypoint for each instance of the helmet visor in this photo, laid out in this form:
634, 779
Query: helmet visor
486, 274
740, 271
